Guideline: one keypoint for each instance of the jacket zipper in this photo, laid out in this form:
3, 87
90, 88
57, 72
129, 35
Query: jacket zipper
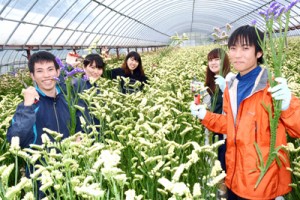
54, 107
255, 132
236, 129
235, 145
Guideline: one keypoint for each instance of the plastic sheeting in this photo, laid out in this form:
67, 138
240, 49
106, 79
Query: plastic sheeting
69, 24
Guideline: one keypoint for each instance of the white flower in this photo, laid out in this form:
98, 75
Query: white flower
121, 179
24, 155
28, 196
15, 144
57, 186
197, 190
157, 167
36, 146
12, 191
180, 189
45, 139
82, 121
109, 159
80, 108
217, 144
216, 168
97, 164
193, 156
6, 172
57, 136
163, 192
172, 198
130, 194
57, 175
109, 173
171, 150
217, 179
92, 190
143, 141
178, 173
37, 172
46, 180
166, 183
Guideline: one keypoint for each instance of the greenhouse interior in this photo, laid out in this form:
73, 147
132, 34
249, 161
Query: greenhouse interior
132, 100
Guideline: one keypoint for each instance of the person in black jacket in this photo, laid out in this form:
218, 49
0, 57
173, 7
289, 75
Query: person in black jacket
214, 100
94, 67
132, 68
214, 59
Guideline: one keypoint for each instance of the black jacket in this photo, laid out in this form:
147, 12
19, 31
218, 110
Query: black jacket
136, 76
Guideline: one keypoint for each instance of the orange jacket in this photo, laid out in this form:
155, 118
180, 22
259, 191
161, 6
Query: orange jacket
248, 125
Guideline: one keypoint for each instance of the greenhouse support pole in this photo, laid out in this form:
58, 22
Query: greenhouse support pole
117, 51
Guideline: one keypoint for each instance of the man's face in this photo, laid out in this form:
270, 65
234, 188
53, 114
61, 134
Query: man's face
243, 57
43, 75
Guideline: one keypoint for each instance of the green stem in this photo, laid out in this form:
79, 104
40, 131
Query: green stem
278, 56
2, 191
72, 110
272, 153
16, 169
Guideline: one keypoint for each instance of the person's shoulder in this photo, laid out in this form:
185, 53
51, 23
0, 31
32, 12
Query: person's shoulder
230, 76
117, 72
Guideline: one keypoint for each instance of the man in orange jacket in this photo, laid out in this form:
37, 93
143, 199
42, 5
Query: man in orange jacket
246, 121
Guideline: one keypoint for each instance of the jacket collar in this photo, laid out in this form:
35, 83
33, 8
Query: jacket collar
58, 91
260, 82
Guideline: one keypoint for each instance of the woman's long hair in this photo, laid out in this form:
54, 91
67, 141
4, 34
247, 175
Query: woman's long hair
210, 76
139, 70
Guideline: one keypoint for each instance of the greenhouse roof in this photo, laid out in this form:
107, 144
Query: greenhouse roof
72, 23
63, 25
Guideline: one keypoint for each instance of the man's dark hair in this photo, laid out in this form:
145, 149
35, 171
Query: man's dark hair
41, 57
249, 36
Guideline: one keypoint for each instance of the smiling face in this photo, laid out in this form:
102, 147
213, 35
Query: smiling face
92, 71
214, 65
43, 75
132, 64
243, 57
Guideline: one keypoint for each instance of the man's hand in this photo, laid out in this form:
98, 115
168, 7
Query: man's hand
198, 111
281, 92
30, 96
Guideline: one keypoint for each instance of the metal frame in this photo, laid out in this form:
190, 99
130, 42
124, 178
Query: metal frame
131, 24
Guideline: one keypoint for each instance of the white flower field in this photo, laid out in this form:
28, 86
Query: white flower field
147, 146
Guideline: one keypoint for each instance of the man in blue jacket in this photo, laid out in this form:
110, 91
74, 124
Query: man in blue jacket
44, 106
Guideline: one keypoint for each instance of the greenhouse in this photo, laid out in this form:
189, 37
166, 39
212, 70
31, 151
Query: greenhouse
179, 100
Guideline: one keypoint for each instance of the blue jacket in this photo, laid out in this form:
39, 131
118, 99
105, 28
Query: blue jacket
29, 121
